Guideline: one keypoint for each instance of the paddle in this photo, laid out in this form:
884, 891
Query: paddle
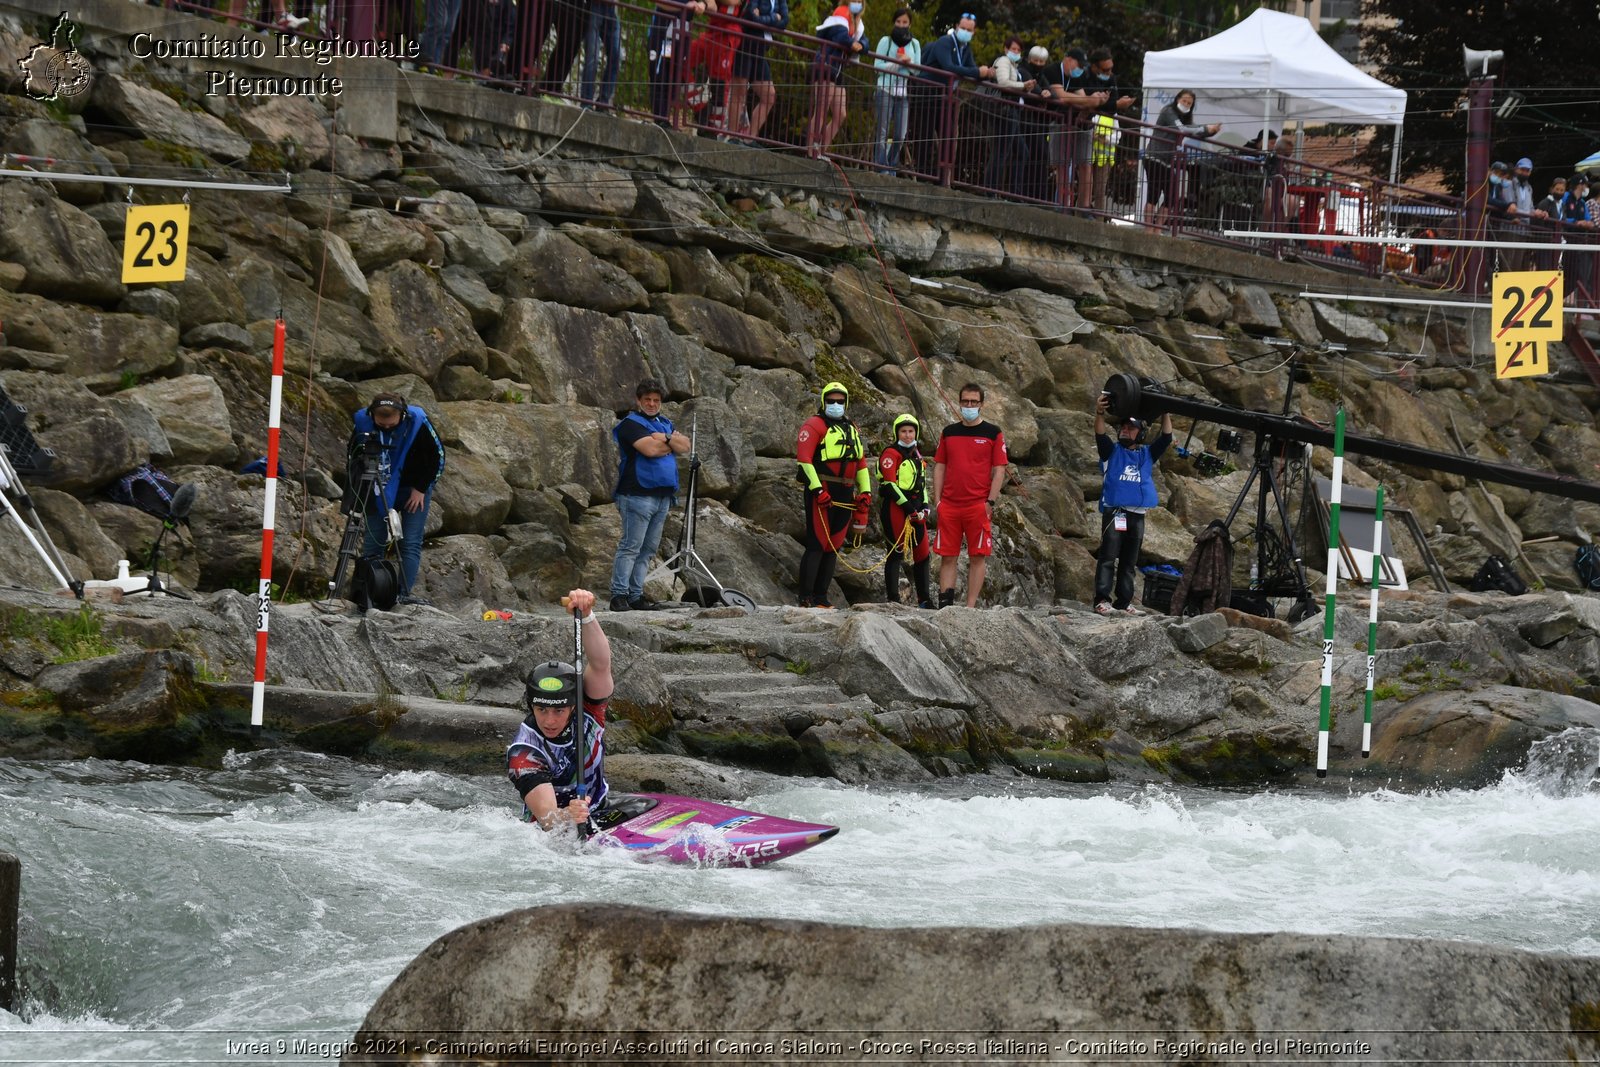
586, 828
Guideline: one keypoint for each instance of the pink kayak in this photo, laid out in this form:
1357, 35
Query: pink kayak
686, 830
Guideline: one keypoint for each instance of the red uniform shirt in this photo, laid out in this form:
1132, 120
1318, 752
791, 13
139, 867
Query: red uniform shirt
969, 455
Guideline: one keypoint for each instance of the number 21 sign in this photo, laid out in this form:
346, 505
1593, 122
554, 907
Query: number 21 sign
1526, 312
155, 243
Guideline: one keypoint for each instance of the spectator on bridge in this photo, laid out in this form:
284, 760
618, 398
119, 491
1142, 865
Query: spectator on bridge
1007, 158
667, 45
751, 67
1574, 207
1036, 126
1102, 79
951, 60
843, 34
494, 31
890, 100
1067, 83
604, 33
1175, 122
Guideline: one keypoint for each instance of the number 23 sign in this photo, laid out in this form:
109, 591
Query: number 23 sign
155, 243
1526, 313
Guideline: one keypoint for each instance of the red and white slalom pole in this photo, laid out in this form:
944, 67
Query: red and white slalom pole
269, 507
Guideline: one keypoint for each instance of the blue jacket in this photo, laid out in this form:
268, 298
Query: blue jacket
651, 472
397, 446
1129, 473
949, 54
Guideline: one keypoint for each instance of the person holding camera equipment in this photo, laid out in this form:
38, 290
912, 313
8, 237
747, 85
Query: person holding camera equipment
647, 484
398, 441
1129, 490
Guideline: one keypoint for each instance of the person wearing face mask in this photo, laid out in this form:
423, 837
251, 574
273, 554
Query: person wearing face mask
1092, 182
904, 509
1175, 122
1035, 126
1011, 86
832, 467
843, 34
969, 468
1574, 207
890, 99
949, 60
1067, 84
1501, 208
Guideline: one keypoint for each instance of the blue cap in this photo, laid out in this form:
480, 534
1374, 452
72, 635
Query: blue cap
1524, 163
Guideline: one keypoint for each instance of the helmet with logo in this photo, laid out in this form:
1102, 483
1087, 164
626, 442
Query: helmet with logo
905, 420
552, 684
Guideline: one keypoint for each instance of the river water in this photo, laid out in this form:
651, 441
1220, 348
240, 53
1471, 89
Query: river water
167, 912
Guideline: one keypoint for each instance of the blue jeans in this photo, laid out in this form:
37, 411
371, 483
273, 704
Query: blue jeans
892, 113
642, 520
439, 25
605, 31
412, 523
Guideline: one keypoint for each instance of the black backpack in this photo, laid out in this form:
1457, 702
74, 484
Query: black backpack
1587, 563
145, 488
1496, 573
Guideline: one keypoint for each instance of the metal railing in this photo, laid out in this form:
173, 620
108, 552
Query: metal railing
741, 80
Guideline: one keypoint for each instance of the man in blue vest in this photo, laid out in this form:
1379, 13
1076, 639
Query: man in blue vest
647, 483
1129, 490
410, 463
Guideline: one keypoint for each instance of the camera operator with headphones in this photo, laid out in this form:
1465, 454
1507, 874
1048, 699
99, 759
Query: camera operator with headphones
1129, 490
410, 458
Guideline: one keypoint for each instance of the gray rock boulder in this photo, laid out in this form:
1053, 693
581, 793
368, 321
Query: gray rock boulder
421, 325
1347, 327
548, 265
748, 340
160, 118
65, 252
472, 497
574, 444
770, 405
100, 349
556, 347
193, 416
587, 190
92, 445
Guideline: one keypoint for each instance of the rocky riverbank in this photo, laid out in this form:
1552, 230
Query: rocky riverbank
872, 694
515, 268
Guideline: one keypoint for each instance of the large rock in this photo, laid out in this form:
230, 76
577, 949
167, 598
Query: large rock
967, 252
208, 294
536, 445
48, 139
698, 272
1458, 740
127, 694
646, 266
683, 365
806, 992
770, 405
548, 265
1054, 320
65, 252
556, 347
587, 190
727, 462
158, 117
471, 497
225, 528
378, 239
293, 124
682, 217
100, 349
748, 340
1051, 267
794, 301
422, 326
1254, 311
868, 317
998, 341
1347, 327
92, 445
193, 417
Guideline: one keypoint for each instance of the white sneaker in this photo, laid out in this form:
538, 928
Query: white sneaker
1130, 610
290, 21
1104, 608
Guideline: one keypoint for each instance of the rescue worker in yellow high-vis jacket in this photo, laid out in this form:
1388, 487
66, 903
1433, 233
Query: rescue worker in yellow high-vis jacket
904, 509
838, 488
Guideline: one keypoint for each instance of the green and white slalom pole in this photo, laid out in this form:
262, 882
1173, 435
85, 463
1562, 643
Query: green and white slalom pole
1326, 721
1372, 628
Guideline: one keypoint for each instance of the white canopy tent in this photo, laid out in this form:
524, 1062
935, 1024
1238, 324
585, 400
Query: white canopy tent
1268, 69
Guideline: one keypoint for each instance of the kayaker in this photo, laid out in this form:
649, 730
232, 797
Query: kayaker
542, 761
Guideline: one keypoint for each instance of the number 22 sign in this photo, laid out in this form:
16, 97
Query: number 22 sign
155, 243
1526, 312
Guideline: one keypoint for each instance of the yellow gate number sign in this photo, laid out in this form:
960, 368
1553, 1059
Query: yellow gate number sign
155, 243
1526, 316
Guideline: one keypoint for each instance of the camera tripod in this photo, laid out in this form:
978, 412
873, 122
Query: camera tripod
686, 563
1279, 569
377, 581
11, 485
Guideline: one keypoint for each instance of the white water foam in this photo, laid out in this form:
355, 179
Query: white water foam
167, 911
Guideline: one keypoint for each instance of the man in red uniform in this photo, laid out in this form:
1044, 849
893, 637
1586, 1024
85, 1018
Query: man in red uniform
833, 468
968, 470
904, 509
